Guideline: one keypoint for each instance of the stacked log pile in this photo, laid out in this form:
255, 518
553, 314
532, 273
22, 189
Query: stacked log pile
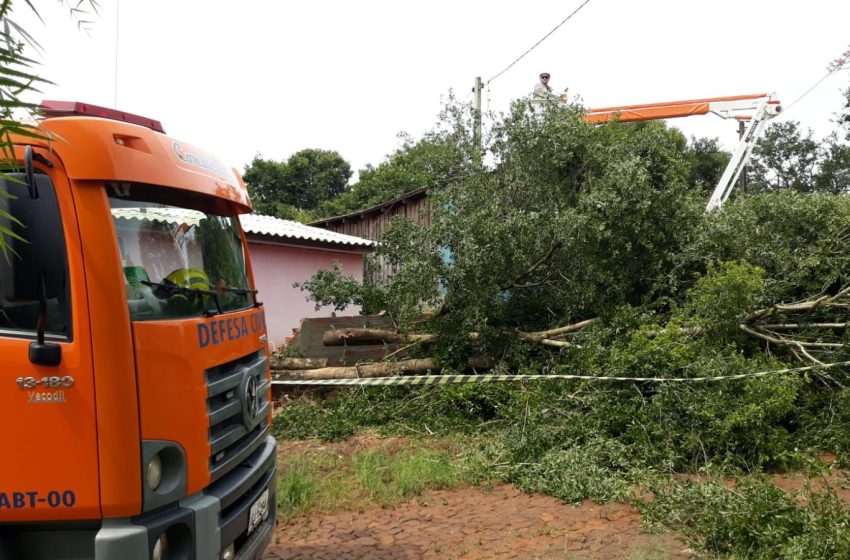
370, 348
384, 342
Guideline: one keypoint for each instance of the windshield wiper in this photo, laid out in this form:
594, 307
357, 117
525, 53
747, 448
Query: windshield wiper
170, 288
244, 292
241, 291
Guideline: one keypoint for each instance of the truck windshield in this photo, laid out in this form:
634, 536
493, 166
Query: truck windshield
182, 254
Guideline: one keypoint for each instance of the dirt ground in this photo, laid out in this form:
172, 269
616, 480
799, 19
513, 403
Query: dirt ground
474, 523
478, 523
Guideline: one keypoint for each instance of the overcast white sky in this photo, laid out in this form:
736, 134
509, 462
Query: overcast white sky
248, 77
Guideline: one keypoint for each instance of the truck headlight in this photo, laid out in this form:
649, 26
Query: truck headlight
229, 553
159, 548
153, 472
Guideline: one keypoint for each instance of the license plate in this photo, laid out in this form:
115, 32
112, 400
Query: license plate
259, 511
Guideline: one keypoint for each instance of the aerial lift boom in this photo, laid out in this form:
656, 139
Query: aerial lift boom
754, 109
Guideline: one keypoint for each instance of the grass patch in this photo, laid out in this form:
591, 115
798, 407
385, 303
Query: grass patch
391, 478
296, 491
334, 478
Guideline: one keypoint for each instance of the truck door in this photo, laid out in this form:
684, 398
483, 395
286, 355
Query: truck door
49, 469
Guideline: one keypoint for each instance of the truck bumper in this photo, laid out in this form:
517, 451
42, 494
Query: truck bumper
204, 526
235, 514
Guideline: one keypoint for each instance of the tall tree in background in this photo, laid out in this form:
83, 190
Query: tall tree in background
431, 162
843, 117
441, 157
784, 158
294, 188
707, 161
265, 179
834, 174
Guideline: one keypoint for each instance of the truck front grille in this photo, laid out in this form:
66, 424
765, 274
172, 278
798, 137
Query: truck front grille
237, 405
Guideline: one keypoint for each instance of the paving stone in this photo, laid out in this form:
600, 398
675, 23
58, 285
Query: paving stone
471, 524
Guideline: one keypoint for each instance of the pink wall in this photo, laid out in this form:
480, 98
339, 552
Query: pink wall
277, 267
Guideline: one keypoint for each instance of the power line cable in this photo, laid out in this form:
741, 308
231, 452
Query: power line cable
840, 63
807, 92
540, 41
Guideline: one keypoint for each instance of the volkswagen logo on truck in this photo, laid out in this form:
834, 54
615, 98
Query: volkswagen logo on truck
250, 402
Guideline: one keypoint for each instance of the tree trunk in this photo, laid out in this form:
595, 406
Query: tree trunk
278, 362
380, 369
357, 336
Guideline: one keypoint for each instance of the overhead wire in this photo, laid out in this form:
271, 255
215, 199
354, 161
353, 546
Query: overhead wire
808, 91
841, 63
540, 41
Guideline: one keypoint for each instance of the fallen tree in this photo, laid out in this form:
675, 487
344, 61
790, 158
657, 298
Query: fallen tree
342, 337
419, 366
286, 362
805, 336
581, 226
576, 222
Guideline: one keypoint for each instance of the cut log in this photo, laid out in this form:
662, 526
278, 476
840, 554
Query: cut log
547, 334
380, 369
356, 336
278, 362
340, 337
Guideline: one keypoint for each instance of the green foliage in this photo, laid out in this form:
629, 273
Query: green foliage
799, 241
824, 415
454, 409
390, 479
602, 470
844, 115
834, 175
348, 477
706, 162
295, 188
753, 519
431, 162
331, 287
786, 158
720, 299
574, 221
296, 490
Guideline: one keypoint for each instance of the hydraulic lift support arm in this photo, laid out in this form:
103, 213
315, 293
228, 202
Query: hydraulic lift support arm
756, 109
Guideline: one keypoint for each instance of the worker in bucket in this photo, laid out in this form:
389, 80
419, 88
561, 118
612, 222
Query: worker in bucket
542, 90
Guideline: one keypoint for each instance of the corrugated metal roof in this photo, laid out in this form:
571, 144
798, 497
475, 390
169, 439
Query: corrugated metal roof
251, 223
170, 215
287, 229
377, 209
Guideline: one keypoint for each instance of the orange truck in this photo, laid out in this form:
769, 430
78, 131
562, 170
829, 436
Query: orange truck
136, 400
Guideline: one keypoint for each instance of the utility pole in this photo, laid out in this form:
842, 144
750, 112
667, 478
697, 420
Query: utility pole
476, 134
742, 128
